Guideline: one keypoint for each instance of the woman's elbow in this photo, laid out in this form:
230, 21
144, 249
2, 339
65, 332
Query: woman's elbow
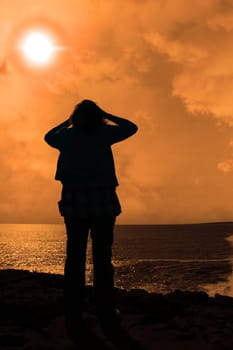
46, 138
49, 140
134, 129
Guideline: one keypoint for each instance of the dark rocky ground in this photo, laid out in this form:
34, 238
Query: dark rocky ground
32, 318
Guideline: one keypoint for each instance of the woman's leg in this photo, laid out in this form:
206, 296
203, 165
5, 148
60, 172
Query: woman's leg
102, 239
75, 266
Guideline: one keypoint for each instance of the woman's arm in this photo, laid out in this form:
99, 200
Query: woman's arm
52, 136
122, 129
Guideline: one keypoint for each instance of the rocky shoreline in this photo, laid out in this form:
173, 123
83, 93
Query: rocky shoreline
32, 317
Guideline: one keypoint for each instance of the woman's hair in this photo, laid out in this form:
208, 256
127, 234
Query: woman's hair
87, 115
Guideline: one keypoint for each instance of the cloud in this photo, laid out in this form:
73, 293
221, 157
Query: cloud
226, 166
221, 22
177, 52
3, 68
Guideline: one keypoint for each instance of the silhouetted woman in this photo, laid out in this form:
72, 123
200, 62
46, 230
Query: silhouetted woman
89, 203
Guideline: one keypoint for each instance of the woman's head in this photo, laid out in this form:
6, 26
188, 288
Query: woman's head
87, 115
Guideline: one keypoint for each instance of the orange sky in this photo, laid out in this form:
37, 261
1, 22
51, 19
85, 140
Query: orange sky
165, 64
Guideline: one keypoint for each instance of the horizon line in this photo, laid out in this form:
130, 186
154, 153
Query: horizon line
127, 224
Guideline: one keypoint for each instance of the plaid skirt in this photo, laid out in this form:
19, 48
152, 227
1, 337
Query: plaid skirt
88, 202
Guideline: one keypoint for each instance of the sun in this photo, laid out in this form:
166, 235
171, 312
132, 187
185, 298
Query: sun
38, 47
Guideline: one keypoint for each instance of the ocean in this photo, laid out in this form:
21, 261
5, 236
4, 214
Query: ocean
158, 258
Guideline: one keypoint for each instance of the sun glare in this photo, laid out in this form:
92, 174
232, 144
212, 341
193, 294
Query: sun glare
38, 47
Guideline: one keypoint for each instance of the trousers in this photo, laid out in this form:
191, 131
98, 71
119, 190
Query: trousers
101, 232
